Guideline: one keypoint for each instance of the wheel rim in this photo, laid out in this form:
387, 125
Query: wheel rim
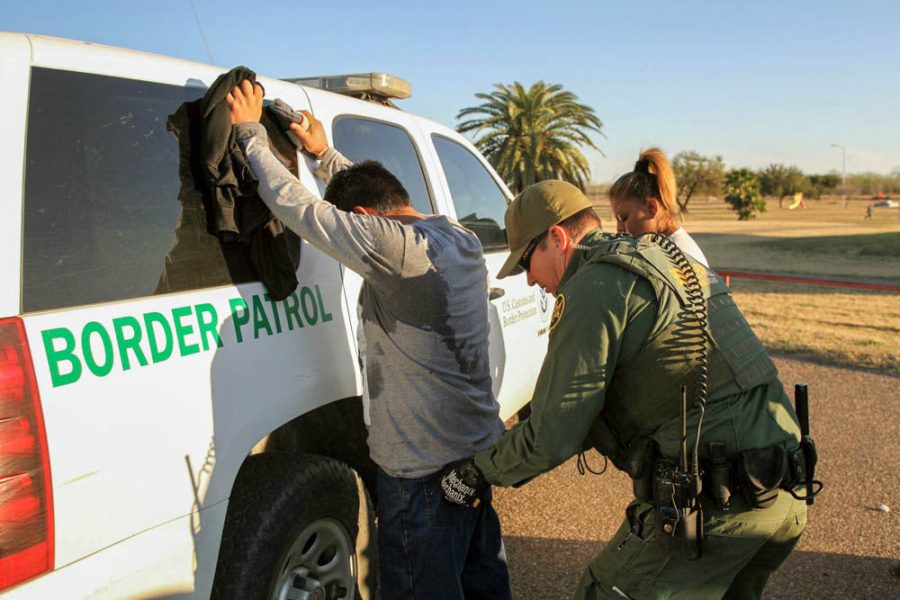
320, 565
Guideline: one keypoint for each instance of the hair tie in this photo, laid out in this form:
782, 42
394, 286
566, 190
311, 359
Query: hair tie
642, 166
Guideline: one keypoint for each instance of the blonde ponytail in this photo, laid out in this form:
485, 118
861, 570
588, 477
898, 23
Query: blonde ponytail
652, 177
658, 164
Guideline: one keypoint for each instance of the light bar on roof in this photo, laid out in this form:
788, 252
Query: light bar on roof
380, 84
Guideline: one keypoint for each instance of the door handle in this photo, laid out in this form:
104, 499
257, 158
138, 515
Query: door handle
496, 293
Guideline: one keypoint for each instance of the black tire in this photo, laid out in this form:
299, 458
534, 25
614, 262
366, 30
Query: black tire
301, 523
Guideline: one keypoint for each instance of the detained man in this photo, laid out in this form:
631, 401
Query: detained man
425, 320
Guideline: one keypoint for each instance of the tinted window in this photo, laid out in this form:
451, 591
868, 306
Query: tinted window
111, 208
479, 201
363, 139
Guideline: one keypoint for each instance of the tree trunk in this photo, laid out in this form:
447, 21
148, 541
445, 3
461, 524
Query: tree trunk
687, 198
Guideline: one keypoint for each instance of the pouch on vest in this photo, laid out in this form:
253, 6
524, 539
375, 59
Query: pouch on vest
761, 473
640, 463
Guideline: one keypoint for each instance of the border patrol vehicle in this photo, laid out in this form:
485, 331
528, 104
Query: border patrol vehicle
147, 429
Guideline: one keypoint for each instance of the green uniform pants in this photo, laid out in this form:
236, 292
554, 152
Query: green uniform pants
741, 549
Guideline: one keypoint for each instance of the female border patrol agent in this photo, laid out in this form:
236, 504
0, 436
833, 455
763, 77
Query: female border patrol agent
616, 360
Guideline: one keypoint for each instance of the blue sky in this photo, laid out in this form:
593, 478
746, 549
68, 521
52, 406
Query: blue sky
756, 82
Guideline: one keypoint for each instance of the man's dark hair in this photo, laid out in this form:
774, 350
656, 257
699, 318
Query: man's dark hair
366, 184
581, 222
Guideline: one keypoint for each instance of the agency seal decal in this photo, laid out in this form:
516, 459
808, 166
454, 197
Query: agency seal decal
544, 303
558, 310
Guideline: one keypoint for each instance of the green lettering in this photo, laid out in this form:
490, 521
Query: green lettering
310, 306
260, 320
326, 316
209, 328
58, 355
239, 320
158, 354
292, 307
132, 342
182, 331
98, 369
274, 313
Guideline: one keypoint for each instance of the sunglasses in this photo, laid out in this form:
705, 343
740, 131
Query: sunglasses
525, 261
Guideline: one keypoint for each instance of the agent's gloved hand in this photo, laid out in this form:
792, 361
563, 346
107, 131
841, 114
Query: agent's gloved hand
462, 483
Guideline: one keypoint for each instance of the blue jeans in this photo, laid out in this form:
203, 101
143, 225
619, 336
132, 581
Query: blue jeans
430, 549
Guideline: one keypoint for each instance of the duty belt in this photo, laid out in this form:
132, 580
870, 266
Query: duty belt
756, 475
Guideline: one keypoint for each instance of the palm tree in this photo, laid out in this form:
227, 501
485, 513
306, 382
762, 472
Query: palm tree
532, 135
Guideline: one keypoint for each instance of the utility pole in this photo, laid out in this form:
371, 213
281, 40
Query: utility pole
843, 172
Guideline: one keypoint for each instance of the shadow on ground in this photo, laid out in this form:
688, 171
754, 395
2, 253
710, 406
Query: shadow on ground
549, 569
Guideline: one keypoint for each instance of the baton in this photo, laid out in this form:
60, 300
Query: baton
801, 402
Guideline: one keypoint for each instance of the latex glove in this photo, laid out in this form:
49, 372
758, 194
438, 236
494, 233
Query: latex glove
462, 483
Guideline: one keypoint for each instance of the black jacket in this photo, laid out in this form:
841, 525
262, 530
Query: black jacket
235, 212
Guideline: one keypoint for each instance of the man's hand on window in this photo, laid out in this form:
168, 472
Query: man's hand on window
246, 102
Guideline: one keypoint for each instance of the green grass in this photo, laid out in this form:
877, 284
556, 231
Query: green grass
868, 257
874, 245
832, 325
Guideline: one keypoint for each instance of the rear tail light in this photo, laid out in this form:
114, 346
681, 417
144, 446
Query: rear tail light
26, 500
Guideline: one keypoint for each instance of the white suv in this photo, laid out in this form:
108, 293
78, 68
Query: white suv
164, 424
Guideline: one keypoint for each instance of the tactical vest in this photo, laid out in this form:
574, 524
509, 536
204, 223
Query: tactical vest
645, 390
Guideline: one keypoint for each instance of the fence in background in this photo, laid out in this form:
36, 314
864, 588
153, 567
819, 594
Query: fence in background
859, 285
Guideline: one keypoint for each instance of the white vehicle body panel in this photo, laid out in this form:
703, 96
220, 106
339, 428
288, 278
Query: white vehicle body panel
180, 428
167, 562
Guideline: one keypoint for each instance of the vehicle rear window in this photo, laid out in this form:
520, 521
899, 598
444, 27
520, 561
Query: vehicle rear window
111, 208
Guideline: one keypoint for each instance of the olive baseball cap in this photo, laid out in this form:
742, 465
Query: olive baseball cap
533, 212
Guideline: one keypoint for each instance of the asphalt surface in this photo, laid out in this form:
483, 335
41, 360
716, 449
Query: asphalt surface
554, 525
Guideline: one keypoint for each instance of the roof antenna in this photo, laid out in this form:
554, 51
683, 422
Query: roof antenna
202, 35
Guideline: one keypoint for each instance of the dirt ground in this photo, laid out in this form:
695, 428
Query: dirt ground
554, 525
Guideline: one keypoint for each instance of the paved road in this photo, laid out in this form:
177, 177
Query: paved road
554, 525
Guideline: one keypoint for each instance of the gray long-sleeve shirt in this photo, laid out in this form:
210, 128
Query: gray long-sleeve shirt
424, 315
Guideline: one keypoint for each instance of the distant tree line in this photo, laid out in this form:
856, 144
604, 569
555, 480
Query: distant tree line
746, 189
868, 183
706, 176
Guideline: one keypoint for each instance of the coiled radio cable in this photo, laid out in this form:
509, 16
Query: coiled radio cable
691, 334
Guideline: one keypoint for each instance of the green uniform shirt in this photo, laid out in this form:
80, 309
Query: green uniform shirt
612, 313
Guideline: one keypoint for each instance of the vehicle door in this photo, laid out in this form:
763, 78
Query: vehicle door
520, 314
